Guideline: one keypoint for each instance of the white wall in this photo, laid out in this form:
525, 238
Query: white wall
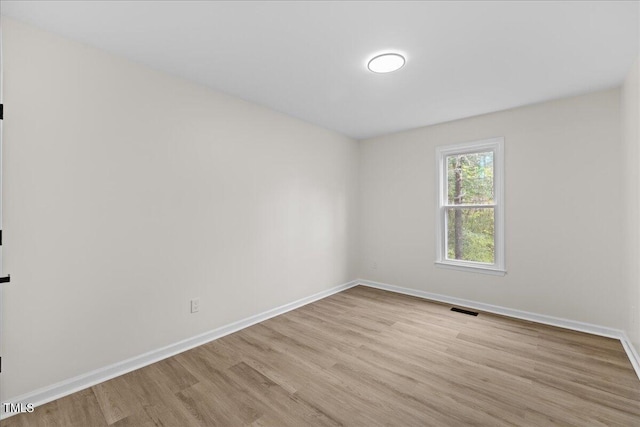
631, 146
127, 192
564, 209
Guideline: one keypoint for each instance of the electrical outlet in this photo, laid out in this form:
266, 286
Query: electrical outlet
195, 305
374, 265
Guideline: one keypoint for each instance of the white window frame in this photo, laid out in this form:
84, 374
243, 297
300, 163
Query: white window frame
497, 146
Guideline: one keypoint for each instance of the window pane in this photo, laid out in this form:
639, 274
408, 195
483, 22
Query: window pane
470, 234
470, 178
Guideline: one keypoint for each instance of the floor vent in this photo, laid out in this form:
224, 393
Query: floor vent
460, 310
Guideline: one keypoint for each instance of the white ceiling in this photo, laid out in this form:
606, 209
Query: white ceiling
308, 59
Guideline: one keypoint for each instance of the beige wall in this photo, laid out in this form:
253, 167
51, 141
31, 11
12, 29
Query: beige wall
631, 145
128, 192
564, 209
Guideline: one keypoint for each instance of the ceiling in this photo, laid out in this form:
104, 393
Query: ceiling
308, 59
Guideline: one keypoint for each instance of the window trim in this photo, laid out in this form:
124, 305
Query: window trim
497, 146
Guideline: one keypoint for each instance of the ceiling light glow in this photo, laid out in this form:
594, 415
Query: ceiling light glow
386, 63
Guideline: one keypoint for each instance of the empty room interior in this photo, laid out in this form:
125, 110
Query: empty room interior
320, 213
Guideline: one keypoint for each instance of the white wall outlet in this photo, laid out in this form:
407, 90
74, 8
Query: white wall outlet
374, 265
195, 305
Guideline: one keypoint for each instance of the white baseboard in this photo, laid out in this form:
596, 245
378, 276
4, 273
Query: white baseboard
633, 355
83, 381
80, 382
519, 314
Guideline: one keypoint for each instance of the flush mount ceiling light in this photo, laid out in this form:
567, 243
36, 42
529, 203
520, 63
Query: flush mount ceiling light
386, 63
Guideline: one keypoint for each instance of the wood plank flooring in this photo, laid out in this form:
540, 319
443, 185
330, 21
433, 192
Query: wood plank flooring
366, 357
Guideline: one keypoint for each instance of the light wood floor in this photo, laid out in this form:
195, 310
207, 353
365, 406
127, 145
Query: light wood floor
366, 357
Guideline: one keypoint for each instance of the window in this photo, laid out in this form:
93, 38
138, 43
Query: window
470, 217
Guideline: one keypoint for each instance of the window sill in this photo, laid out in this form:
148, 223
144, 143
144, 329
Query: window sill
471, 268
